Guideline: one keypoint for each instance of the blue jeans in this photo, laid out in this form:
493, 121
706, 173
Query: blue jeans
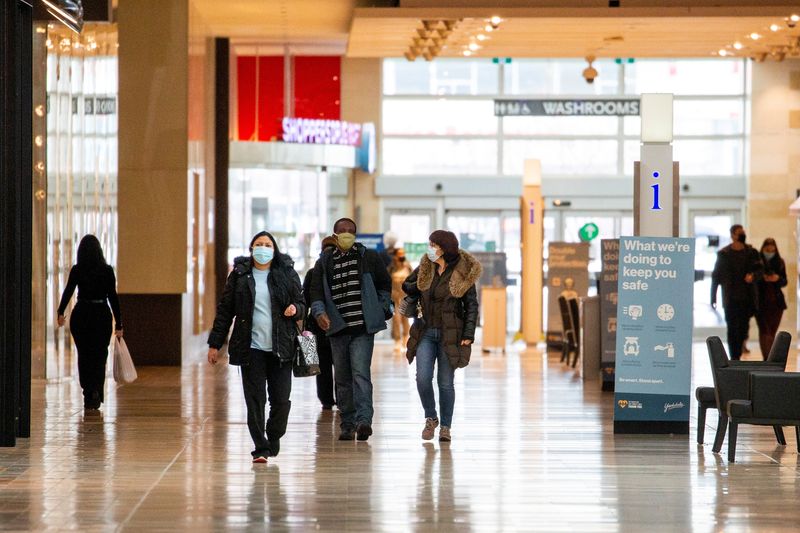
429, 352
352, 357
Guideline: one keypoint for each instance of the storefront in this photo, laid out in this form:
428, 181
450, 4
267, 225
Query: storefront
294, 189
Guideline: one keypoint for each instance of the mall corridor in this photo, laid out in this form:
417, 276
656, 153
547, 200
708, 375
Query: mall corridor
533, 450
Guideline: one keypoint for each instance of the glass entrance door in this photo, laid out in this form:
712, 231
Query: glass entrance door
711, 230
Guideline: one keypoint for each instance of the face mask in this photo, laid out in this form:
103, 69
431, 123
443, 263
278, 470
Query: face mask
263, 255
346, 240
769, 255
433, 255
742, 238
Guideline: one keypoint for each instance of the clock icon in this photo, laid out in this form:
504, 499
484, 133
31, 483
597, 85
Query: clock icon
665, 312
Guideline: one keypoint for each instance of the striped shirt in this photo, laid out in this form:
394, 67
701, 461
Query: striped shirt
346, 288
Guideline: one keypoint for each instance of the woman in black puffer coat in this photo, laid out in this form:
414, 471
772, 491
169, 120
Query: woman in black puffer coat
263, 298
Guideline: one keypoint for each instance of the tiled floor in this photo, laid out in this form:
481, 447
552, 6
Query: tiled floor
533, 450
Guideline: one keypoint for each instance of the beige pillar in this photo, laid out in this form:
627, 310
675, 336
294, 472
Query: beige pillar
532, 217
775, 166
361, 102
162, 182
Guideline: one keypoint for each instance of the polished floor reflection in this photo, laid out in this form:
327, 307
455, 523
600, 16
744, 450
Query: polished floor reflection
532, 450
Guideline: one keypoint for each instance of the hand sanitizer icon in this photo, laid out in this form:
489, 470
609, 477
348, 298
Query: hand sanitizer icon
669, 348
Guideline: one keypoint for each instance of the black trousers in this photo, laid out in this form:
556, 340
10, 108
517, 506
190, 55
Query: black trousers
325, 377
737, 317
90, 325
266, 375
768, 320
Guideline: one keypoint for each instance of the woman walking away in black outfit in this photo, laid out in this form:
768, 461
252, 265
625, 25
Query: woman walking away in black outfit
90, 321
264, 296
771, 301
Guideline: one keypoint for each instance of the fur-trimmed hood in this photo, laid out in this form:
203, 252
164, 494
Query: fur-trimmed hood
465, 274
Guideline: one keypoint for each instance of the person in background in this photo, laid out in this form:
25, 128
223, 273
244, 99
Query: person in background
399, 270
445, 283
263, 298
771, 301
325, 377
90, 321
351, 301
737, 270
389, 249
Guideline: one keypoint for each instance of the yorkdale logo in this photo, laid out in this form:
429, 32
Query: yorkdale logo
672, 406
623, 403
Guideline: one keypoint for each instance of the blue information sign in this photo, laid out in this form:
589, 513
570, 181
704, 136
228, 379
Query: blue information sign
654, 330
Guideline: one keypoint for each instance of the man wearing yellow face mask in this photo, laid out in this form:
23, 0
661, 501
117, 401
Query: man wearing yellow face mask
351, 301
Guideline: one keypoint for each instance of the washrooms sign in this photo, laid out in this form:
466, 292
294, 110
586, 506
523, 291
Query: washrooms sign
654, 330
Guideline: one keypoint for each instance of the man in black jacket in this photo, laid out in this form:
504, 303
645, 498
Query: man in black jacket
737, 270
351, 301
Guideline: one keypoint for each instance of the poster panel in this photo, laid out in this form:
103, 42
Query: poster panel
608, 310
654, 330
567, 270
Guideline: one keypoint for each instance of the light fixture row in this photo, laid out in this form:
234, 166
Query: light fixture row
777, 52
477, 40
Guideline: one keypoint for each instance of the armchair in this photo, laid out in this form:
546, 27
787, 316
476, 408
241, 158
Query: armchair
773, 400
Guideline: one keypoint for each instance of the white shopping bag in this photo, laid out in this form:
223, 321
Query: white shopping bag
124, 371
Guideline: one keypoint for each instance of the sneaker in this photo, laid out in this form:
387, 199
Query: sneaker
327, 406
259, 459
364, 431
444, 434
347, 434
430, 426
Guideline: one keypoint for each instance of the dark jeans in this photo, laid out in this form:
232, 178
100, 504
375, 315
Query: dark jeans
737, 317
325, 376
352, 357
430, 353
90, 325
266, 369
768, 320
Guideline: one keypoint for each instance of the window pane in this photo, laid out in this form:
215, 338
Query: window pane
444, 157
563, 157
701, 117
685, 76
721, 157
439, 117
560, 125
550, 77
440, 77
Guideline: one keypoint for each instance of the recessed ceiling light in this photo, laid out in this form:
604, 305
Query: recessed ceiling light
488, 28
467, 53
738, 45
497, 20
755, 36
774, 27
795, 18
723, 52
474, 46
482, 37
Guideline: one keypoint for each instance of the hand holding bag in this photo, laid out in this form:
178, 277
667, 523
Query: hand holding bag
124, 371
306, 360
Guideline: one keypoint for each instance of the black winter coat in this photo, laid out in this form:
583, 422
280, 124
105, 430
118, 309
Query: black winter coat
238, 302
459, 312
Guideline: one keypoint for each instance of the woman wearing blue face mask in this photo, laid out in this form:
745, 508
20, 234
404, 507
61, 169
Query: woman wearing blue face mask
264, 298
444, 283
771, 302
